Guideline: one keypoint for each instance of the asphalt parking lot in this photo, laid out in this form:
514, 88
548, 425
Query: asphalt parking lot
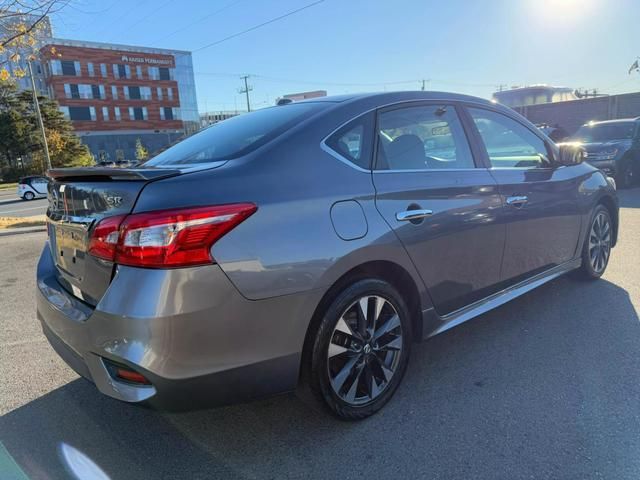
13, 206
544, 387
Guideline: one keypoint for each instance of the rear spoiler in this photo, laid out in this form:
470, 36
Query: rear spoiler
109, 173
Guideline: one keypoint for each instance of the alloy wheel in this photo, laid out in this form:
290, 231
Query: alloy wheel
365, 350
600, 242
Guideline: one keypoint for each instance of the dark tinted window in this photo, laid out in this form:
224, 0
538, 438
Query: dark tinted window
236, 136
138, 114
427, 137
509, 143
134, 93
79, 113
353, 141
168, 113
95, 91
604, 132
164, 73
68, 67
75, 92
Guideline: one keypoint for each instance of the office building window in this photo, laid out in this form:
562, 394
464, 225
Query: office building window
154, 73
116, 113
170, 93
138, 113
159, 92
132, 93
139, 71
105, 114
70, 67
165, 73
145, 93
65, 112
121, 71
56, 67
82, 113
114, 92
90, 69
97, 91
103, 70
169, 113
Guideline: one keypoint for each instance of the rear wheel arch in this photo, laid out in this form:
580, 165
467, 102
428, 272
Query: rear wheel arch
384, 270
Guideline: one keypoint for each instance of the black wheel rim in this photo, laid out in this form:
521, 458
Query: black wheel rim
600, 242
365, 349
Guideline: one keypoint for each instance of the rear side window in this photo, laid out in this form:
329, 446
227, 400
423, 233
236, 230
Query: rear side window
236, 136
509, 144
353, 141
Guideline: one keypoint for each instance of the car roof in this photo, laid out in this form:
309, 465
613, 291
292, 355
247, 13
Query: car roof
392, 97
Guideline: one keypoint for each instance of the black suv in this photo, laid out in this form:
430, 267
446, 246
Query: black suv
614, 147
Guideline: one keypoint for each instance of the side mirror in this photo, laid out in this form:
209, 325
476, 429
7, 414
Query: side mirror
570, 154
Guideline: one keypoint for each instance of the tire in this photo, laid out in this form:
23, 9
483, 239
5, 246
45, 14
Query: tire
625, 177
596, 250
355, 365
29, 196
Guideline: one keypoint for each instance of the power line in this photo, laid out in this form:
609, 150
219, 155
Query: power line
255, 27
199, 20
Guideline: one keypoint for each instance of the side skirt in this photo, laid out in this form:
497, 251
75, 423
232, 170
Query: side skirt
433, 324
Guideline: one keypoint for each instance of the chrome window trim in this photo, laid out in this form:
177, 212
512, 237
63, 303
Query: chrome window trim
336, 155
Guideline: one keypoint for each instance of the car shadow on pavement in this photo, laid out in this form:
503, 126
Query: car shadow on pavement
544, 387
629, 198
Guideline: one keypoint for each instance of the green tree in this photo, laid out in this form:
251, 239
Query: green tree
21, 149
141, 151
65, 148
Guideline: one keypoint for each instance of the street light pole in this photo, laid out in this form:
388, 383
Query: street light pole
39, 115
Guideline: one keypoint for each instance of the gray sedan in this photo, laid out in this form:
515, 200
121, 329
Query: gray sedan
309, 246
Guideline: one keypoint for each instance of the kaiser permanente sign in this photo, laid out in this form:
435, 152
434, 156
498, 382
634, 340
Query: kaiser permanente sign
156, 61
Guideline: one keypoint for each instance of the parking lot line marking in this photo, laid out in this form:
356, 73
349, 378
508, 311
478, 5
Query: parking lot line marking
22, 210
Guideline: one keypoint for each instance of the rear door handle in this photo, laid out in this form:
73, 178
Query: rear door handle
409, 215
517, 200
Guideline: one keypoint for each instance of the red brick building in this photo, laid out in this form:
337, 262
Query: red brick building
117, 94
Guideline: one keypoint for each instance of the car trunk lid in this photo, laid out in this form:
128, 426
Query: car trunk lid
78, 199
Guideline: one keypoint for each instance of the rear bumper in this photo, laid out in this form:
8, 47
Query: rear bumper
189, 331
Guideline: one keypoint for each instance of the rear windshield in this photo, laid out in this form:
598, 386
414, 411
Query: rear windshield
235, 136
604, 132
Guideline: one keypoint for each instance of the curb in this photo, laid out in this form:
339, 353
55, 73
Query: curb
16, 231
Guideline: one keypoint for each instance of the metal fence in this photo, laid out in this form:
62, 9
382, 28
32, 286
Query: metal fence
573, 114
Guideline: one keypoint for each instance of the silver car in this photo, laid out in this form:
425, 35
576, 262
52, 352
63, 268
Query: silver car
309, 246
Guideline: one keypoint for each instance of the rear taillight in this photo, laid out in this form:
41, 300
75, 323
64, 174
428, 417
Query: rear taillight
166, 239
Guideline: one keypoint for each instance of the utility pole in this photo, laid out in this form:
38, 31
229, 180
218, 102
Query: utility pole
247, 88
424, 82
39, 115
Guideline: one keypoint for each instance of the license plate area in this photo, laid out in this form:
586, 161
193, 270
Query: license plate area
70, 249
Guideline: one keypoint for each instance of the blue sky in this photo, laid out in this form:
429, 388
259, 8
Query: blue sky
345, 46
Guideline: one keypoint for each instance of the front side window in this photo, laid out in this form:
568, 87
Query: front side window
90, 69
105, 114
509, 143
353, 141
426, 137
103, 69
